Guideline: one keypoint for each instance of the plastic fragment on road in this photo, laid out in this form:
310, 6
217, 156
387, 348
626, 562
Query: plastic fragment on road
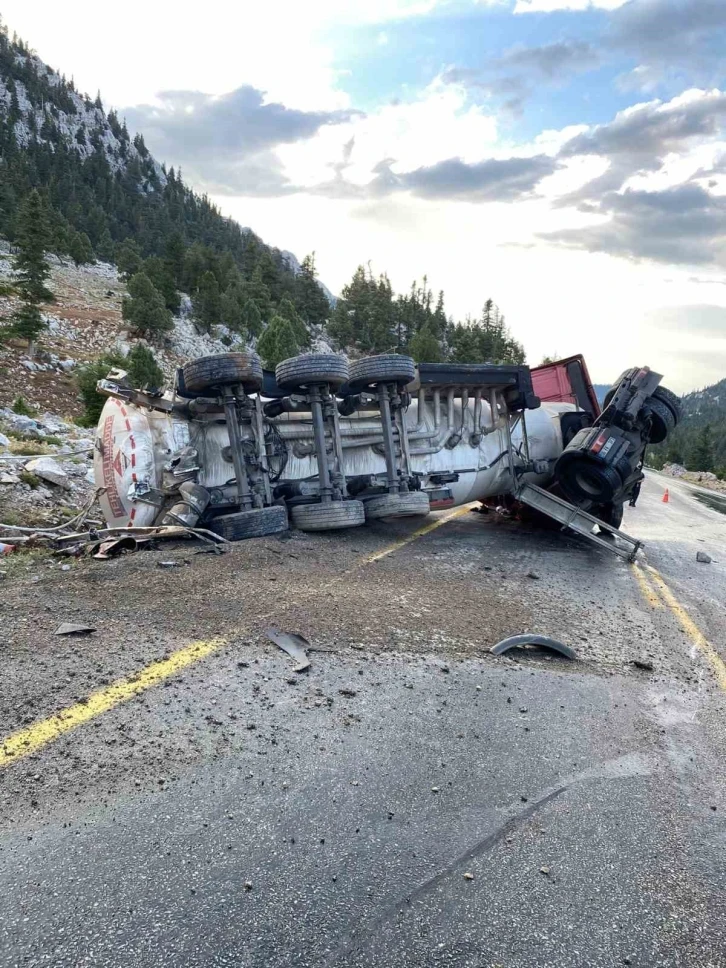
295, 645
68, 628
5, 549
529, 638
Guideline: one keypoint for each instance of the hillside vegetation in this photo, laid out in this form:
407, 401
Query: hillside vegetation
101, 196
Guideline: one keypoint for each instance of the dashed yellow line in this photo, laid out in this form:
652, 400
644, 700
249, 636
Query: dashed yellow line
690, 628
33, 738
426, 529
646, 589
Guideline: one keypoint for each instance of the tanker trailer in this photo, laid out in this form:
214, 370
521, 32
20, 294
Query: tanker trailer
324, 444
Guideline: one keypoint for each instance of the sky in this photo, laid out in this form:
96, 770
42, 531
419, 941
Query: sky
566, 158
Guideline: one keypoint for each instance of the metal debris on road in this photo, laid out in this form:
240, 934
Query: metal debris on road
295, 645
529, 638
68, 628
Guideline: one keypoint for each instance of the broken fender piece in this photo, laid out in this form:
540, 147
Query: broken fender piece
530, 639
68, 628
292, 643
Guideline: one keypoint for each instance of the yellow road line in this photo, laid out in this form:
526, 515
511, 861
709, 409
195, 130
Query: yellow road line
647, 590
690, 628
33, 738
426, 529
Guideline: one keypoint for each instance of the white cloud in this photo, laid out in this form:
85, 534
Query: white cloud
549, 6
439, 124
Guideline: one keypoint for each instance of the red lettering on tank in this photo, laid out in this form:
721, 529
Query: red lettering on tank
108, 466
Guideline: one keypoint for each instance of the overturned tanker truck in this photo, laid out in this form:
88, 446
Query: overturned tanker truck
324, 444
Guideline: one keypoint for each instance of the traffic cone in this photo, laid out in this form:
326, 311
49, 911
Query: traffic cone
666, 496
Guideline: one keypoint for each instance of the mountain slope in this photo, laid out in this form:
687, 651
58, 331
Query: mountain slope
691, 444
97, 180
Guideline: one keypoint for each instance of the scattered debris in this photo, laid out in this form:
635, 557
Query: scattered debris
529, 638
169, 564
703, 557
292, 643
533, 574
68, 628
5, 549
468, 876
347, 691
644, 664
545, 871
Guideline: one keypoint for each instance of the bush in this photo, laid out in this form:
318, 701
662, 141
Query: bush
87, 377
142, 368
22, 407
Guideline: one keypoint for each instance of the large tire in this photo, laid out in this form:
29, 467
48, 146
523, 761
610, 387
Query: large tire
223, 370
301, 372
328, 517
671, 400
402, 505
663, 421
611, 514
250, 524
388, 368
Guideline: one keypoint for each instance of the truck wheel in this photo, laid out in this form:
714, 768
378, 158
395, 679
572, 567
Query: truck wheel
387, 368
301, 372
671, 400
223, 370
250, 524
611, 514
328, 517
662, 419
401, 505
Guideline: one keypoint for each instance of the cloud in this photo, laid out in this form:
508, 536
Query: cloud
654, 129
226, 142
551, 60
640, 139
684, 224
704, 320
491, 180
550, 6
513, 76
668, 32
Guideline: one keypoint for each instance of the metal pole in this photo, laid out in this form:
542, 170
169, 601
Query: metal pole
389, 447
235, 443
326, 491
261, 450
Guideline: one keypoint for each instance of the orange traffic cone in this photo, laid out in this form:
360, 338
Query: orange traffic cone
666, 496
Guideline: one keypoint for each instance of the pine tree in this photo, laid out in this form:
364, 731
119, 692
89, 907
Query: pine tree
32, 238
174, 252
278, 342
144, 308
232, 308
258, 292
158, 271
79, 248
251, 318
28, 324
701, 456
207, 303
143, 370
286, 309
128, 259
424, 347
311, 301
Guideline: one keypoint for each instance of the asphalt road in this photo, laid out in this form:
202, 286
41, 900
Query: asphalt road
410, 800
